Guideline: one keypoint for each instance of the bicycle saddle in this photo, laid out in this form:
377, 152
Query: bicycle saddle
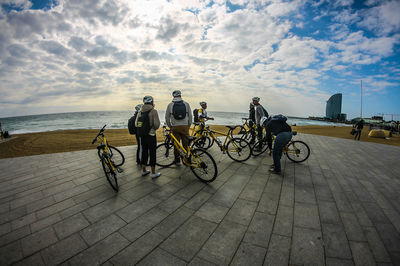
231, 127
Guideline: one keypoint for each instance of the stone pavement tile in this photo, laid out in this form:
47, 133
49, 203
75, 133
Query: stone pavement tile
305, 194
5, 228
84, 179
361, 253
389, 236
270, 198
70, 225
33, 260
190, 190
83, 197
338, 262
198, 200
138, 249
254, 188
29, 198
40, 204
54, 208
284, 221
306, 215
164, 192
38, 241
376, 244
381, 200
260, 229
22, 221
63, 250
228, 193
189, 238
172, 203
287, 196
11, 253
248, 254
200, 262
13, 214
335, 241
375, 213
161, 257
144, 223
101, 251
278, 251
212, 212
101, 229
74, 209
138, 191
213, 187
342, 203
14, 235
70, 193
323, 193
307, 247
395, 258
394, 217
223, 243
4, 207
105, 208
328, 212
137, 208
40, 224
58, 188
362, 216
242, 212
352, 227
173, 221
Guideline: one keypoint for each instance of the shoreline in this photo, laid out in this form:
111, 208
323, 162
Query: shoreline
80, 139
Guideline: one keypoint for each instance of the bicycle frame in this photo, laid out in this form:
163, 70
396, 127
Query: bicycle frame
105, 149
187, 153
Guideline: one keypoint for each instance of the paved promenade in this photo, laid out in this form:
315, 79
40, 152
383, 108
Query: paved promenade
340, 207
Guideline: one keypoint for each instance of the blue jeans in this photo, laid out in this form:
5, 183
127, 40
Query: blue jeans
281, 140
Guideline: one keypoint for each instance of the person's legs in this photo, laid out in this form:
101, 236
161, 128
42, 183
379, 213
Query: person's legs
259, 136
175, 132
144, 149
152, 151
281, 140
359, 133
138, 161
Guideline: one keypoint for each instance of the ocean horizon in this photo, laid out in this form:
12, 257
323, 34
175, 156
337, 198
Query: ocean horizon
116, 120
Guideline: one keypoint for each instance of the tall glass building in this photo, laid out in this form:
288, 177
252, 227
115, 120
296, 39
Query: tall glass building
334, 106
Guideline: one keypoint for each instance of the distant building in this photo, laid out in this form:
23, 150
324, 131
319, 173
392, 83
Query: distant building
334, 107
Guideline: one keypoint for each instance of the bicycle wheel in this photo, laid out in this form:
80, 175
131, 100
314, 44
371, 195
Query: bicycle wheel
203, 165
298, 151
115, 155
110, 174
264, 146
238, 149
202, 142
165, 154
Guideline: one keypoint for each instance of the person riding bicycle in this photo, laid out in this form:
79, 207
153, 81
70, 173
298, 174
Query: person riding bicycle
252, 120
277, 126
260, 113
147, 122
178, 117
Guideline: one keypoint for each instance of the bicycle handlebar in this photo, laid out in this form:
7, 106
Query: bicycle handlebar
98, 134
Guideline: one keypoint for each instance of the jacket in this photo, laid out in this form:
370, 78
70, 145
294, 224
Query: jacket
275, 127
259, 112
171, 121
153, 117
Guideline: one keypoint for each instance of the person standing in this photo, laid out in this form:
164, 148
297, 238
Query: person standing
132, 131
203, 116
260, 112
147, 122
178, 117
359, 126
252, 120
277, 126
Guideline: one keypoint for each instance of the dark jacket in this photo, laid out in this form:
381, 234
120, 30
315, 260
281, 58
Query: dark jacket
275, 127
360, 124
252, 114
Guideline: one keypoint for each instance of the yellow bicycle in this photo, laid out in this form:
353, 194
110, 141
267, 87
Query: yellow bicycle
248, 131
111, 159
237, 149
200, 161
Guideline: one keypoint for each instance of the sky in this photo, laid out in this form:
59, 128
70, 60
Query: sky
96, 55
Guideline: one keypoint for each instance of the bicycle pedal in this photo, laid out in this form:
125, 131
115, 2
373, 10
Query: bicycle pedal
120, 170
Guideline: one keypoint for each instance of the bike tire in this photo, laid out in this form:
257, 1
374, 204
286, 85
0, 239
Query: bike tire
115, 155
298, 151
202, 142
238, 149
110, 174
165, 154
207, 170
264, 147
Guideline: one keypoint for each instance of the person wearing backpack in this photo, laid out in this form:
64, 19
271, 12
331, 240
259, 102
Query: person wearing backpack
178, 117
260, 112
147, 122
132, 131
277, 126
252, 120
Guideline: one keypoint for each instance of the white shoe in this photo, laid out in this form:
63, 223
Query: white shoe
145, 172
155, 175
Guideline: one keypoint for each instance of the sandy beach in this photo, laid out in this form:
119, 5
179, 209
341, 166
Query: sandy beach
74, 140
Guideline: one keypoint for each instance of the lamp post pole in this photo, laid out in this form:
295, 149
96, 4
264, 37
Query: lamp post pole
361, 100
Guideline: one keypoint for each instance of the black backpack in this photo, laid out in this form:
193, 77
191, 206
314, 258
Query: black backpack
143, 124
196, 115
131, 124
280, 118
179, 110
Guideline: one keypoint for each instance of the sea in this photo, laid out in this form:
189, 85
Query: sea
115, 120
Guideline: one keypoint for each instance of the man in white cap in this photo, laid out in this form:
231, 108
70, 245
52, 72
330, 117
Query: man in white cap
178, 117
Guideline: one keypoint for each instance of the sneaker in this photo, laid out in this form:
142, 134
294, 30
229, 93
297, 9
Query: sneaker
145, 172
272, 171
155, 175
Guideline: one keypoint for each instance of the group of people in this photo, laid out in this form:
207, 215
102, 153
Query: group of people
178, 117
